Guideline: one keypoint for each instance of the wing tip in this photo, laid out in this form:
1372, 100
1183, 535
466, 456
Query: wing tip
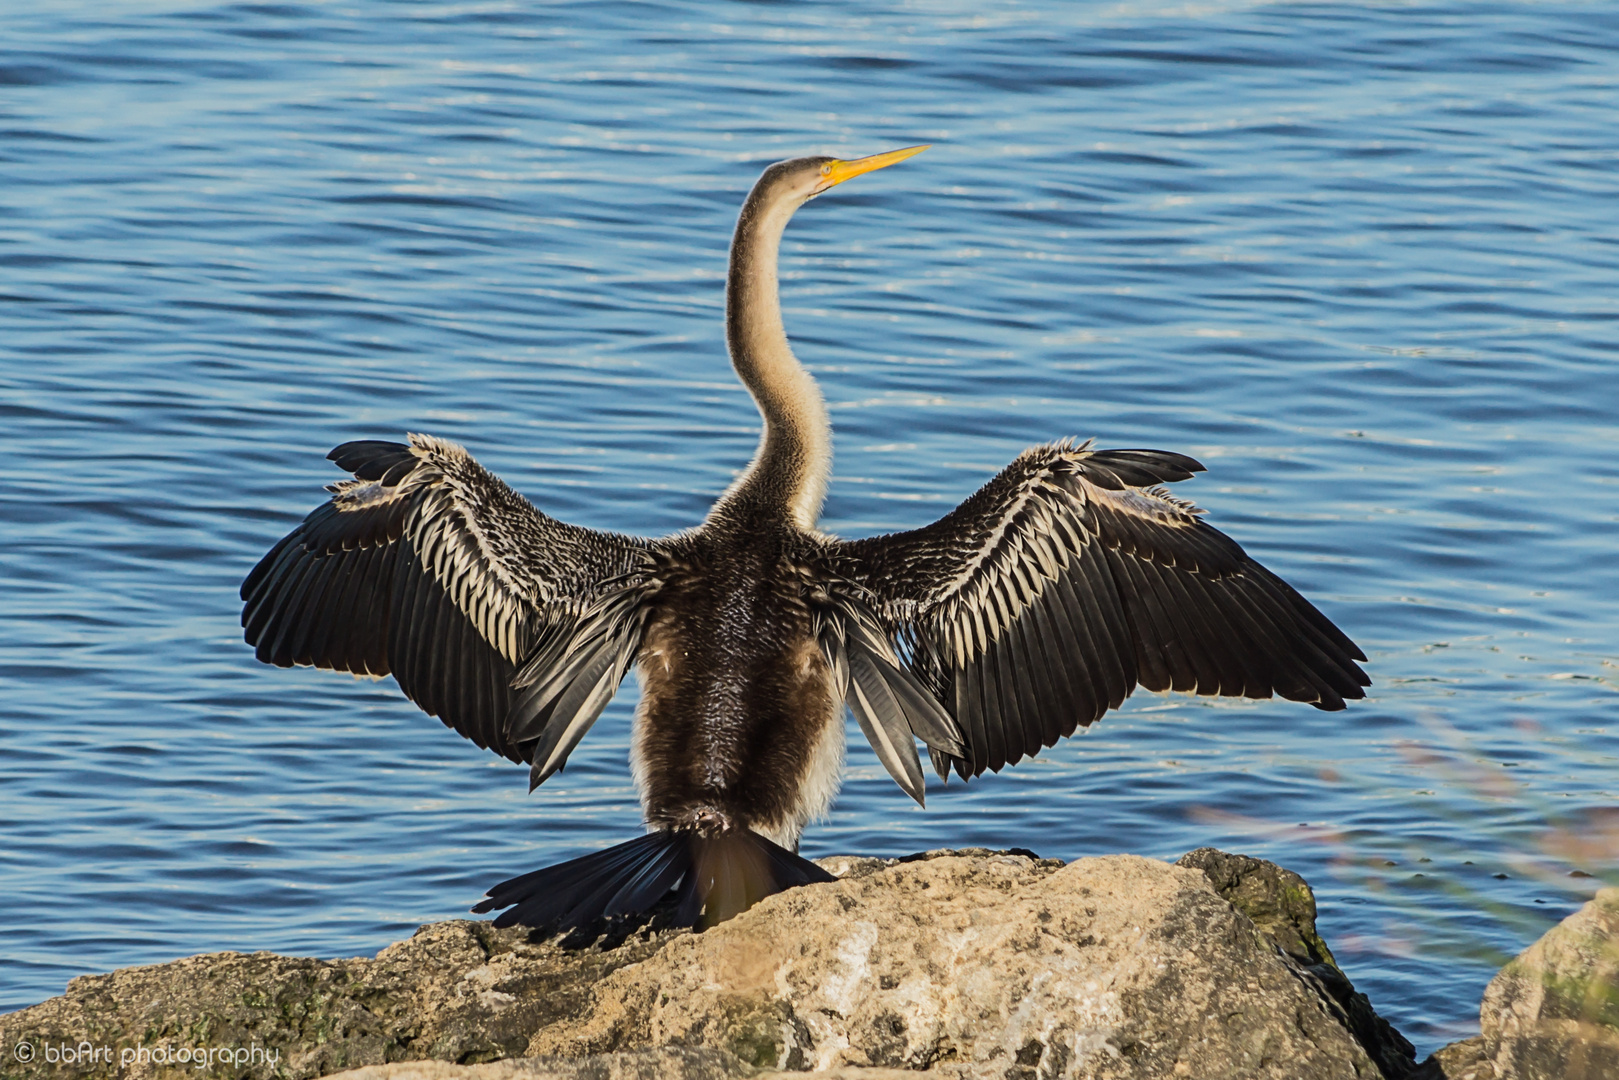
1138, 467
371, 459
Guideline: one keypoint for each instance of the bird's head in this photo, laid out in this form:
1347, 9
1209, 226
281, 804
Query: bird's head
794, 182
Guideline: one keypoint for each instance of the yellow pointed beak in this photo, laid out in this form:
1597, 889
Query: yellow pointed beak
836, 172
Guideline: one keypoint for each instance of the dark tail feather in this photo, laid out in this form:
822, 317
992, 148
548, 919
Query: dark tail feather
713, 878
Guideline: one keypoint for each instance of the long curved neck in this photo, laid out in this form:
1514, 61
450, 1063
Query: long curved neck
789, 471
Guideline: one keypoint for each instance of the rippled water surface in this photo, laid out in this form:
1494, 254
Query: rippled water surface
1359, 260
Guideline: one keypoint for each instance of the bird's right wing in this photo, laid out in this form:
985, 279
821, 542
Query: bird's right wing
512, 627
1044, 598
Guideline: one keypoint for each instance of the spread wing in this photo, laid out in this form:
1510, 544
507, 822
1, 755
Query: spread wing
1042, 600
512, 627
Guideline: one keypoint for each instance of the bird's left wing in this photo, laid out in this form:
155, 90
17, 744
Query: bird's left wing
512, 627
1042, 600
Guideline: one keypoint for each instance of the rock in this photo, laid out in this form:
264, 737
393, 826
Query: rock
1553, 1012
981, 967
1468, 1059
665, 1063
1281, 904
1277, 900
965, 966
457, 991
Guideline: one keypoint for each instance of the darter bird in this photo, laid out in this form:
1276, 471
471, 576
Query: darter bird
1026, 612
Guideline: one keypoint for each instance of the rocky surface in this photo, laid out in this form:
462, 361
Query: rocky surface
966, 965
664, 1063
1553, 1012
1277, 900
1281, 904
1000, 966
457, 991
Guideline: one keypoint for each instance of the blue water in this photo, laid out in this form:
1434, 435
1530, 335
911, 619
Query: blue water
1359, 260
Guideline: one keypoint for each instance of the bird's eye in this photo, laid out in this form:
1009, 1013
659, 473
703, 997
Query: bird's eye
826, 170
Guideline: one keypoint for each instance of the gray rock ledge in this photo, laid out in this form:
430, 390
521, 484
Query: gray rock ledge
967, 965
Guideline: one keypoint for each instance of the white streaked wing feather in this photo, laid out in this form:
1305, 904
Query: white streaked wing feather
1069, 537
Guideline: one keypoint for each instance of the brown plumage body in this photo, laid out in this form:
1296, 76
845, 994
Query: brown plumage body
740, 725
